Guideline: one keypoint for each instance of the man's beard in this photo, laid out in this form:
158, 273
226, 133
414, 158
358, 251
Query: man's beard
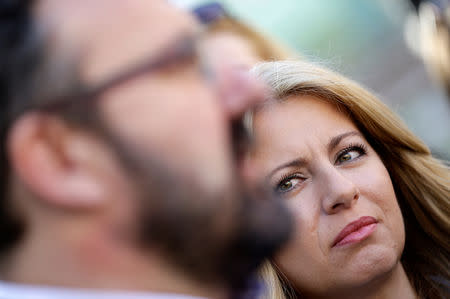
217, 238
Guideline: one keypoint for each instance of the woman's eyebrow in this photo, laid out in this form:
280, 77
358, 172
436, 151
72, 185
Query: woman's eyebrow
299, 162
337, 139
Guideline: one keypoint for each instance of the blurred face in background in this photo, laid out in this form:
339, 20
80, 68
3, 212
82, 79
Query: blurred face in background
240, 51
349, 228
166, 168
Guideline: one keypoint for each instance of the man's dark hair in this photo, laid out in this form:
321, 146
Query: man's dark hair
20, 56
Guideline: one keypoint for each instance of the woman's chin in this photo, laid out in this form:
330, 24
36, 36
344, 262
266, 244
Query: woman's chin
373, 263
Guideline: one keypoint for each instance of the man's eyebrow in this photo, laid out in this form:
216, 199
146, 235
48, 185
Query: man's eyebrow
337, 139
299, 162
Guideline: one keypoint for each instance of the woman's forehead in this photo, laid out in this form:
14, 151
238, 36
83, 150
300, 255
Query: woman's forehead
301, 111
294, 127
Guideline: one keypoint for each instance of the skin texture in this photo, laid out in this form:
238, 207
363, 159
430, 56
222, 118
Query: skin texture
331, 189
240, 50
83, 209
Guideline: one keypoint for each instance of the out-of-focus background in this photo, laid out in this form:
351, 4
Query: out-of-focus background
365, 40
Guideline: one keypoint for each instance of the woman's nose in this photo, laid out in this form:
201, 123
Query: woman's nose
339, 192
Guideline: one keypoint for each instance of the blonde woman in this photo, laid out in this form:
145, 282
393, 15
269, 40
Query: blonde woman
371, 204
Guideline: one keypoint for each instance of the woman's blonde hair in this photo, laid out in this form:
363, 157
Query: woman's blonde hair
421, 182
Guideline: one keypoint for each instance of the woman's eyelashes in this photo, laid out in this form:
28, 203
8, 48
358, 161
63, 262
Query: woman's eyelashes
350, 153
288, 183
292, 181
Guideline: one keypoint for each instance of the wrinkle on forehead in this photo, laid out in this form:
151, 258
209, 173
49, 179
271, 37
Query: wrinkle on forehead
275, 121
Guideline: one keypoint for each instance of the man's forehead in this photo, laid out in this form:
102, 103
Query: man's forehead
64, 11
112, 33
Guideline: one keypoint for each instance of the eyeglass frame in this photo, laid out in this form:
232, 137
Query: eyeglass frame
185, 46
182, 48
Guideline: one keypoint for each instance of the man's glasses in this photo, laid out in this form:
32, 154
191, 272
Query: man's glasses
183, 49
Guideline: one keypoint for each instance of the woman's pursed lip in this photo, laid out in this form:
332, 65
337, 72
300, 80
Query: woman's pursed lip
356, 231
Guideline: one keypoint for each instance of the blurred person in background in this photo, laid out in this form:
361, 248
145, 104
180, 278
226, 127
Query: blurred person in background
244, 45
371, 204
119, 157
428, 34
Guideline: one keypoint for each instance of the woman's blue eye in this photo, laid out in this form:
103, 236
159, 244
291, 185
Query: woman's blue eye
288, 184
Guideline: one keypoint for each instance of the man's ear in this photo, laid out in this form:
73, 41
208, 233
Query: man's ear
54, 161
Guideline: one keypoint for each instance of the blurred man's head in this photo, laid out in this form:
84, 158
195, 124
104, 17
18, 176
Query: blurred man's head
116, 144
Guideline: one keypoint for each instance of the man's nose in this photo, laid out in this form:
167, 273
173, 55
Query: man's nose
239, 90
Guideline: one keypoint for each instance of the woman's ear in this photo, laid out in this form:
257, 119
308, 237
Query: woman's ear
54, 162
